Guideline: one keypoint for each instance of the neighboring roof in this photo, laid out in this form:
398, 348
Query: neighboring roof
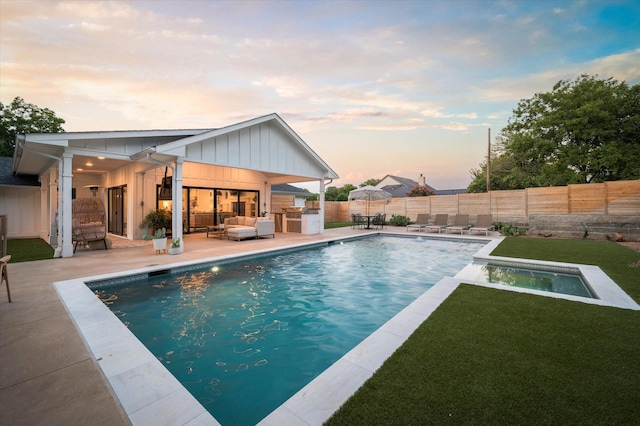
404, 181
396, 191
285, 188
8, 179
404, 185
451, 191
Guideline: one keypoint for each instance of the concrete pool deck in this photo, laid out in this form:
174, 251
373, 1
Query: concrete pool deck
50, 376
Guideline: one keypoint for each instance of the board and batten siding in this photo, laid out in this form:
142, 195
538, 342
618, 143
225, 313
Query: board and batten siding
22, 207
262, 147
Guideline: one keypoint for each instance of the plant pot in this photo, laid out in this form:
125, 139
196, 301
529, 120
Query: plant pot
160, 245
175, 250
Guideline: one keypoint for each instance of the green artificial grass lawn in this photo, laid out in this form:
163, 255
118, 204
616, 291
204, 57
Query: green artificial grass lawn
498, 357
27, 249
330, 225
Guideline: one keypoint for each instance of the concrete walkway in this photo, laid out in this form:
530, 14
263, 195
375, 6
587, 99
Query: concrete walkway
48, 375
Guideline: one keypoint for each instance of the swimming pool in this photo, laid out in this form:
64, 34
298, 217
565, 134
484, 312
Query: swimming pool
244, 336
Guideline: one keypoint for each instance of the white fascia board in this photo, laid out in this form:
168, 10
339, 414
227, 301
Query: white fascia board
113, 134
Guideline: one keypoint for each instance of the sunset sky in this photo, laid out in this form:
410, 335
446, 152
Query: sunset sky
373, 87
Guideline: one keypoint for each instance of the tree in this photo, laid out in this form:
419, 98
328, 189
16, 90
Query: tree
372, 182
585, 130
338, 194
20, 117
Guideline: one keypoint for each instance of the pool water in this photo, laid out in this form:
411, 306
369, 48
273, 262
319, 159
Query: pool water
243, 337
553, 281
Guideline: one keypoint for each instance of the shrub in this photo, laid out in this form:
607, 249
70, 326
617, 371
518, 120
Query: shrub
399, 220
509, 229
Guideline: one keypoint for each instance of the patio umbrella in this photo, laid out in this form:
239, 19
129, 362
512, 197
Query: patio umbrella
369, 193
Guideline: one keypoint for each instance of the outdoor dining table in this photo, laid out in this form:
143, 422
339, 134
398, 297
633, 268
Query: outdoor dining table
369, 218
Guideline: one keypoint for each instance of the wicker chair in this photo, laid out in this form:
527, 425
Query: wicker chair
88, 222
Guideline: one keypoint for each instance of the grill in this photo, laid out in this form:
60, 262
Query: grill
294, 212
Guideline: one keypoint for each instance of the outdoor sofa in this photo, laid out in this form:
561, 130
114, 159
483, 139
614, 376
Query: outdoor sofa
240, 227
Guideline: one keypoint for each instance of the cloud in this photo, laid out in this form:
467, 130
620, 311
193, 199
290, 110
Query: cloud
348, 77
623, 67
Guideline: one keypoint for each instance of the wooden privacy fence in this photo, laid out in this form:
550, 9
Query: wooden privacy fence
619, 201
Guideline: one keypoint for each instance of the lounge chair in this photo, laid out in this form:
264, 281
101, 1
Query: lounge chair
460, 223
4, 276
439, 223
420, 223
483, 223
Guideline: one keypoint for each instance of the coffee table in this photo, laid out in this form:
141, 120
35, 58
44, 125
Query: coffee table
216, 230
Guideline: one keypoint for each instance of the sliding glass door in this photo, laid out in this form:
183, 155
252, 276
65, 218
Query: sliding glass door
202, 207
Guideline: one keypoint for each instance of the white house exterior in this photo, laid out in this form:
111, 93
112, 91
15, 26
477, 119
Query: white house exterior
212, 171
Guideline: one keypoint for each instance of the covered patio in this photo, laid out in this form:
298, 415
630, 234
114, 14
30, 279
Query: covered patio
197, 174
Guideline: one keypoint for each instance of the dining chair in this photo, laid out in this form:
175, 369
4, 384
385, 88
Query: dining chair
4, 276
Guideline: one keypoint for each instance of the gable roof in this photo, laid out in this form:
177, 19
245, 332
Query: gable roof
265, 144
263, 141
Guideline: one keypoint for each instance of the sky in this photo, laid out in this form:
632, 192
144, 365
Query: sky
375, 88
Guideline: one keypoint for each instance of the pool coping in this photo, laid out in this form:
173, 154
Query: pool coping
150, 394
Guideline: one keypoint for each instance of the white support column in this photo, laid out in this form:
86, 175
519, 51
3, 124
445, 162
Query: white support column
322, 211
65, 186
49, 199
176, 214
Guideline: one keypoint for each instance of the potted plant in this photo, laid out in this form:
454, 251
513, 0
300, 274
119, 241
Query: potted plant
154, 228
156, 219
159, 239
176, 247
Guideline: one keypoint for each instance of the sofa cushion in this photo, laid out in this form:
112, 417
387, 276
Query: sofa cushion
250, 221
233, 220
241, 220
